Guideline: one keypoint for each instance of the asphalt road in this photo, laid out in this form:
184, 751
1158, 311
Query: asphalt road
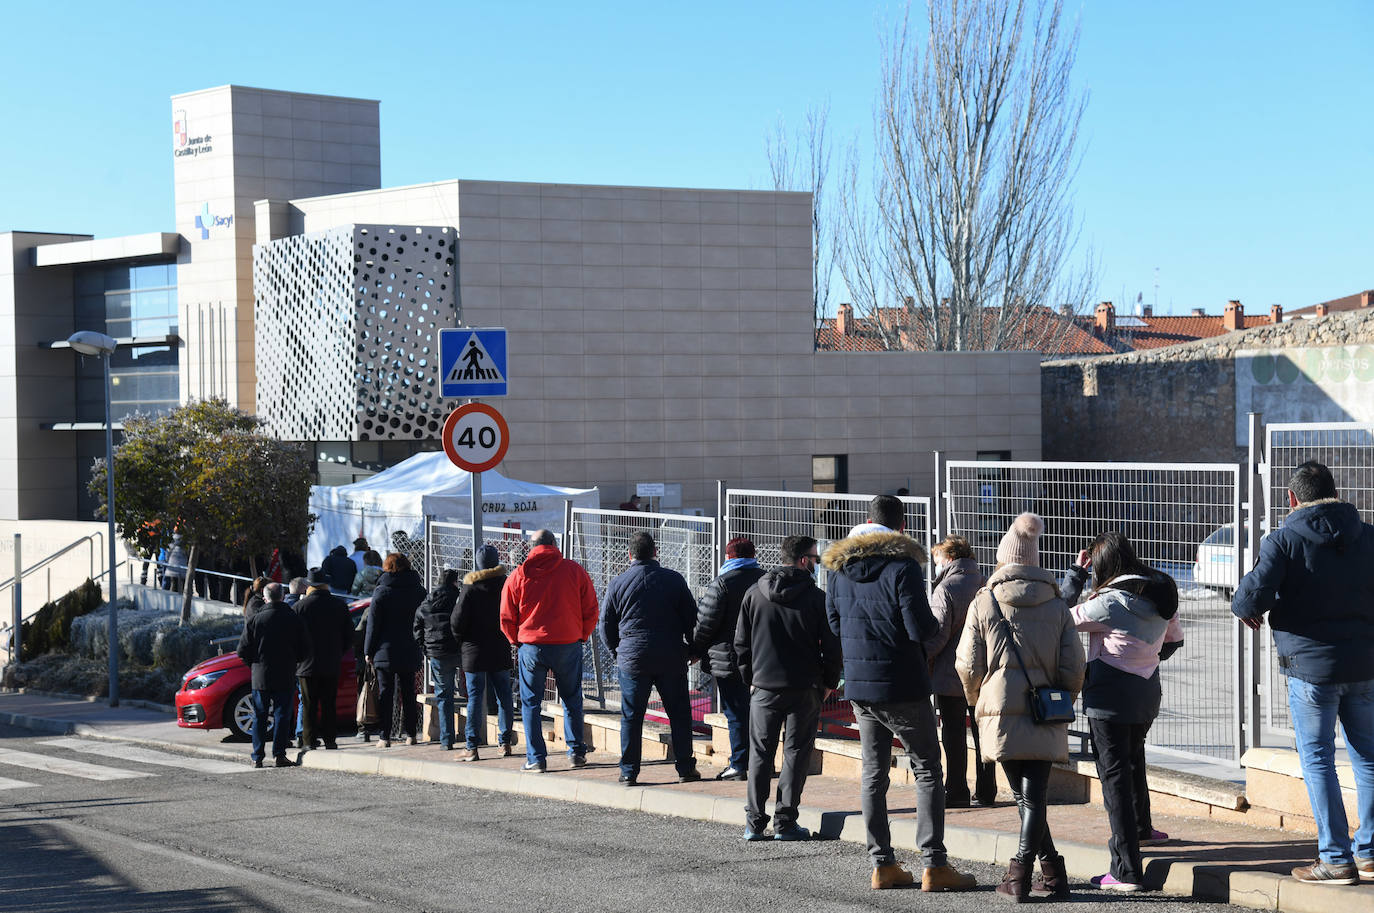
225, 841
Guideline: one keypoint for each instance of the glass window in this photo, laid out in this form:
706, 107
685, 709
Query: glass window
117, 278
128, 301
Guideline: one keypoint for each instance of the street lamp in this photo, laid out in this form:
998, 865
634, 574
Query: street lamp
89, 342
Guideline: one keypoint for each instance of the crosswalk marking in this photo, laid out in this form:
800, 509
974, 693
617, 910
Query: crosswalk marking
14, 784
63, 766
127, 752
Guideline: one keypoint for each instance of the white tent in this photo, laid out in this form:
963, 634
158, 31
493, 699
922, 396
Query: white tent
428, 485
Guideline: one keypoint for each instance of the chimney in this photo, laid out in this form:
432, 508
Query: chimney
844, 319
1367, 298
1198, 312
1104, 318
1321, 309
1234, 318
1066, 310
1147, 311
1276, 313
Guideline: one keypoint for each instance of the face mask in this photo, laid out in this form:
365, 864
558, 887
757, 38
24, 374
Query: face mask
813, 570
940, 565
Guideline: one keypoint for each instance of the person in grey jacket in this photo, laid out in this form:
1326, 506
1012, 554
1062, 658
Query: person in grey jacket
957, 579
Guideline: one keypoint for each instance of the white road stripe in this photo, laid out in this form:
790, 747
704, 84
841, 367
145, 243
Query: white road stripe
125, 752
14, 784
63, 766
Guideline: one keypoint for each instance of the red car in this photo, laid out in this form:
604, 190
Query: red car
217, 693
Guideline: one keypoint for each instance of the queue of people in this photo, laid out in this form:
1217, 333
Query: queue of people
1002, 653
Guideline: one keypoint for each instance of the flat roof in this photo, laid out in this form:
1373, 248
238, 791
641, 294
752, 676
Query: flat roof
369, 101
100, 250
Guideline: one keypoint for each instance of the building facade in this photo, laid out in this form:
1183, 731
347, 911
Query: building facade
655, 334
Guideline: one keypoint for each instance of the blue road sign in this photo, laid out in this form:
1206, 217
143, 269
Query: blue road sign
472, 361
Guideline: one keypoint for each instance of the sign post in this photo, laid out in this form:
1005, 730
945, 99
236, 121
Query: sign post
476, 438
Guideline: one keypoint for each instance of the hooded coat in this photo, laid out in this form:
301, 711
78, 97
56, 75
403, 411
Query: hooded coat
954, 589
718, 616
432, 627
1128, 622
1313, 578
548, 599
876, 604
996, 685
339, 568
783, 639
476, 622
389, 640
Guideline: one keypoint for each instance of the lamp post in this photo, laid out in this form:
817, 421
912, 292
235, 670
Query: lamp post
89, 342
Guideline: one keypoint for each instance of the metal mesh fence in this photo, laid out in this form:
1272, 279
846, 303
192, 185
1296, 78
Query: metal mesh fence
450, 545
1182, 519
1347, 449
768, 517
600, 542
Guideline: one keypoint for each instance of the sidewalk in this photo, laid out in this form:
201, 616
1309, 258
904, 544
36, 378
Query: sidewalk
1206, 860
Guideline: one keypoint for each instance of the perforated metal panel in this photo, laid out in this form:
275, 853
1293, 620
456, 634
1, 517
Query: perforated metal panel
346, 331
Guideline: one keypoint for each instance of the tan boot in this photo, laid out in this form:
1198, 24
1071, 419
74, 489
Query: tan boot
469, 755
946, 878
891, 876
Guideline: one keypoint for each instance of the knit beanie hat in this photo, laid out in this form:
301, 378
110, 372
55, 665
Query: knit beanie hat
487, 558
1021, 544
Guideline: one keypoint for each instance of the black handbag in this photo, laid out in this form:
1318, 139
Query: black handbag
1048, 705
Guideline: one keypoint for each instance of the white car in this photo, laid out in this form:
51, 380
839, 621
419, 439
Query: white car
1216, 560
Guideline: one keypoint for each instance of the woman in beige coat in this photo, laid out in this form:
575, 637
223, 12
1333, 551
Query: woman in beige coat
998, 688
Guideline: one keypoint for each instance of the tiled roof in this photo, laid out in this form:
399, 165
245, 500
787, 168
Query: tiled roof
1348, 303
1067, 337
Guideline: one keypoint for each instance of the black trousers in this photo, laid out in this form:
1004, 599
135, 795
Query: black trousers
319, 719
799, 709
1030, 781
392, 685
954, 717
1120, 755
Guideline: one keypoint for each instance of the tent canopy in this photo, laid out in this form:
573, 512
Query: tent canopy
428, 485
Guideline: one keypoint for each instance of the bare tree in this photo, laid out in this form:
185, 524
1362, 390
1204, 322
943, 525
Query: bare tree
965, 240
801, 161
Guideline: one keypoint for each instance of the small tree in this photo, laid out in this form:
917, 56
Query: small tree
205, 471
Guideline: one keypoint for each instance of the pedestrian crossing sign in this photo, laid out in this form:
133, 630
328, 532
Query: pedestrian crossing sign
472, 361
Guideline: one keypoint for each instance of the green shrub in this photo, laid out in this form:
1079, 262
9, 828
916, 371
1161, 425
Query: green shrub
49, 629
178, 649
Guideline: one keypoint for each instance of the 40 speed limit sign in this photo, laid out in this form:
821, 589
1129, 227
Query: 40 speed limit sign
476, 437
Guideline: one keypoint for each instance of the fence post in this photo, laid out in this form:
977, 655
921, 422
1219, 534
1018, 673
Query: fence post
722, 534
1257, 509
16, 638
939, 522
567, 527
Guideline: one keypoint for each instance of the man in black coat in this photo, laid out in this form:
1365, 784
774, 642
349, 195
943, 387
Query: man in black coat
714, 641
339, 569
274, 640
329, 632
647, 617
790, 659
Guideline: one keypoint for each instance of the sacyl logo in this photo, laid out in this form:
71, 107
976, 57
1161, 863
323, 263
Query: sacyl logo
205, 220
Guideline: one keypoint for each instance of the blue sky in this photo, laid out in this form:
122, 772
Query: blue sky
1227, 144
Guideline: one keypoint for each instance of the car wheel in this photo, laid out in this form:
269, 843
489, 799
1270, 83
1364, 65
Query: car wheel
239, 714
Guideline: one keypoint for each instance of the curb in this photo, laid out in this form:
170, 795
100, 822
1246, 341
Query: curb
1219, 882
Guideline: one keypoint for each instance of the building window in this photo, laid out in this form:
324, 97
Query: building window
129, 302
830, 473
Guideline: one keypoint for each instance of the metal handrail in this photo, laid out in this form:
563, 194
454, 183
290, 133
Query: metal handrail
184, 567
58, 554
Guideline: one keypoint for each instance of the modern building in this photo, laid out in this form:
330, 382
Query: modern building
655, 334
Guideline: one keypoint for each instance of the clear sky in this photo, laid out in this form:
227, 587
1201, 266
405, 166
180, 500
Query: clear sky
1228, 144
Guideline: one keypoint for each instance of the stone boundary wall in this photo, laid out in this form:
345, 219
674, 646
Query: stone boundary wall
1173, 404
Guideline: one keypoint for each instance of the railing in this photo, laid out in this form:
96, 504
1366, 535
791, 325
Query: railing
45, 564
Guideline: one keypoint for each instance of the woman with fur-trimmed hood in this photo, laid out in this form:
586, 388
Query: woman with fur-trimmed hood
1021, 608
476, 622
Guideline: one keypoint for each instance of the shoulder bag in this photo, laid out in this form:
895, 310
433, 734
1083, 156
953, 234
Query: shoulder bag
1048, 705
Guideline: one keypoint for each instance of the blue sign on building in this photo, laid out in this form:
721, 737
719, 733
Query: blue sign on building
472, 361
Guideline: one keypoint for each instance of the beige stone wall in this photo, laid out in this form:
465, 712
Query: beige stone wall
1171, 404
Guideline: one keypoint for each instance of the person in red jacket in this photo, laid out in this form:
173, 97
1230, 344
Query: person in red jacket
549, 608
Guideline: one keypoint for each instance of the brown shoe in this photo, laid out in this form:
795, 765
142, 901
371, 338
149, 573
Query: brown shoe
1053, 880
505, 750
1016, 884
469, 755
1327, 873
946, 878
891, 875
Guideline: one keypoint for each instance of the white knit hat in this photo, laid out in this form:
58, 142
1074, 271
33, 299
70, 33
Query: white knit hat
1021, 544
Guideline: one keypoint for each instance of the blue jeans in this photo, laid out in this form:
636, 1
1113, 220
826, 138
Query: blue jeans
734, 703
634, 701
280, 704
565, 662
444, 671
1315, 710
477, 700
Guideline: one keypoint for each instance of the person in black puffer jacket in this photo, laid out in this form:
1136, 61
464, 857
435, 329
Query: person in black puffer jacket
476, 622
434, 636
389, 644
714, 641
